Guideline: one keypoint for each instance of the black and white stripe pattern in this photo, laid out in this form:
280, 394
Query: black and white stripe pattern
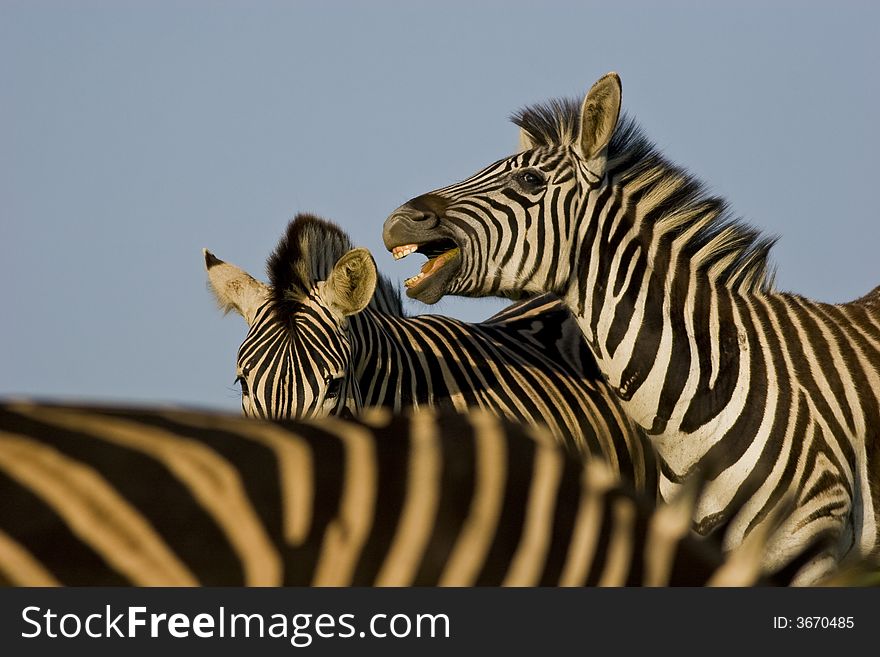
771, 394
148, 497
528, 364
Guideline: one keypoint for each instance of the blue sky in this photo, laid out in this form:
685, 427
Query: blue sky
132, 134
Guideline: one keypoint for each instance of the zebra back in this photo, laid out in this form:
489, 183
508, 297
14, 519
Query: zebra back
98, 495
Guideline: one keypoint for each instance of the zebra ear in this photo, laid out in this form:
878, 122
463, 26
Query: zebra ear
351, 284
599, 115
526, 143
234, 288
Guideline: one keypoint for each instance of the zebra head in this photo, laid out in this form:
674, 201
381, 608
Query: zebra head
502, 231
296, 359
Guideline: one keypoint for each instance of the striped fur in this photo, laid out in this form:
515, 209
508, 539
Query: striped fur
773, 394
528, 363
112, 496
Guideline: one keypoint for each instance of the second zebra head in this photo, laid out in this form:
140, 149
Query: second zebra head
294, 362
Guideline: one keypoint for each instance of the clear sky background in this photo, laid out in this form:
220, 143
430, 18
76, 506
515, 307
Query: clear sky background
132, 134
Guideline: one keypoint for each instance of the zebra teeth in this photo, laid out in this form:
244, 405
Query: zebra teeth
432, 266
415, 280
400, 252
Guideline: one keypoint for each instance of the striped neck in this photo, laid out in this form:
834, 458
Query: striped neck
646, 288
377, 361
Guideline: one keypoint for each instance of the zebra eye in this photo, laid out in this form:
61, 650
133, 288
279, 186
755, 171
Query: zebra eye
240, 380
334, 386
532, 178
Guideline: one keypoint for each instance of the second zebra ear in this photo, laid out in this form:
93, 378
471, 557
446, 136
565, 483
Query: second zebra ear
234, 288
352, 283
526, 143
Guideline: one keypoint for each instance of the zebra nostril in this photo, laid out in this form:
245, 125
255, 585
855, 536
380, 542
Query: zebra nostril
415, 216
426, 216
399, 227
421, 213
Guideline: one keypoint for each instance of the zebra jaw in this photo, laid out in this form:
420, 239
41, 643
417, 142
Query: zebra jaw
429, 268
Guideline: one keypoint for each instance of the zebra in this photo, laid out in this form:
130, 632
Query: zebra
147, 496
311, 351
772, 392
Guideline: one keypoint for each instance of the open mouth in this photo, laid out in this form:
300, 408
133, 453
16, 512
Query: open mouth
442, 255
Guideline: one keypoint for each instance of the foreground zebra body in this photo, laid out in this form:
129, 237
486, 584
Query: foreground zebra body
769, 393
110, 496
312, 350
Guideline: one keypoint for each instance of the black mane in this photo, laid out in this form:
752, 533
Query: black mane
306, 254
736, 252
